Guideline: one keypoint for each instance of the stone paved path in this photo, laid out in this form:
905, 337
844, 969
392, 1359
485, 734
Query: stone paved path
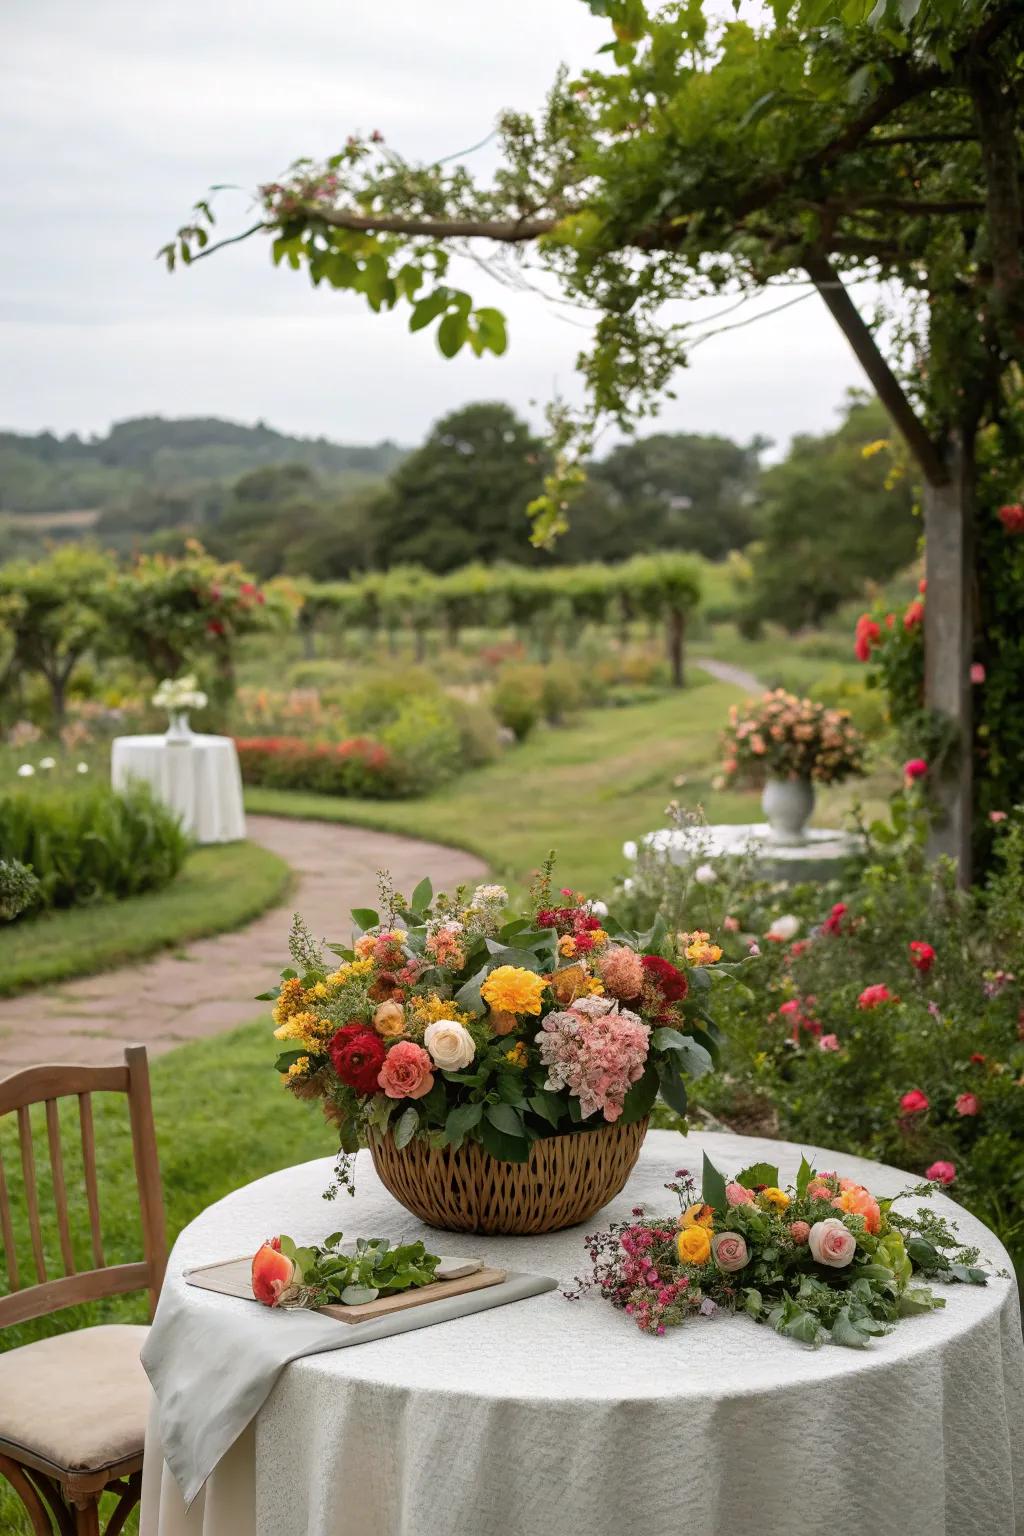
725, 672
209, 986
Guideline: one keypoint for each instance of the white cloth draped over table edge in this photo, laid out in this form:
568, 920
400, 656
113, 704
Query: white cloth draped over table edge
199, 779
552, 1415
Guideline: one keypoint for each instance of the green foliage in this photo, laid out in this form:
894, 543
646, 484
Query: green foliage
19, 889
329, 1273
518, 698
829, 518
89, 844
53, 611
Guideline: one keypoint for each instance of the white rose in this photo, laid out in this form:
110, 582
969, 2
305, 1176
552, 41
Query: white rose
450, 1045
705, 874
831, 1242
26, 771
785, 927
596, 908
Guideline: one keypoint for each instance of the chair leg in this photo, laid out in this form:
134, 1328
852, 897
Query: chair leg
28, 1495
87, 1517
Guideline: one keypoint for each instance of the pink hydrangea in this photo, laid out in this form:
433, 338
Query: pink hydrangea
596, 1051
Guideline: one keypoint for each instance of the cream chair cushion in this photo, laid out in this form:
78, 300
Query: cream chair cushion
77, 1400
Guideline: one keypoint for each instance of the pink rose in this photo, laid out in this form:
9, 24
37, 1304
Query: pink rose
828, 1043
737, 1195
941, 1173
831, 1242
729, 1251
967, 1104
407, 1071
914, 1103
799, 1231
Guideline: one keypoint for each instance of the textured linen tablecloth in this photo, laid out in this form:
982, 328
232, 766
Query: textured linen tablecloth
200, 780
553, 1416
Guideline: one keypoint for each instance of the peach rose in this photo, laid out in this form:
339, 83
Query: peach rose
274, 1277
407, 1072
831, 1242
737, 1195
860, 1202
389, 1019
729, 1251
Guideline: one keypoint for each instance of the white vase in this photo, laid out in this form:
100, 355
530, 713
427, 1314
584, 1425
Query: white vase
178, 732
787, 804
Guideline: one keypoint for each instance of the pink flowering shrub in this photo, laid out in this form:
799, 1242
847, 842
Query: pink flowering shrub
597, 1051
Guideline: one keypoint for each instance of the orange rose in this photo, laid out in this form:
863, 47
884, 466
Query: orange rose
389, 1019
860, 1202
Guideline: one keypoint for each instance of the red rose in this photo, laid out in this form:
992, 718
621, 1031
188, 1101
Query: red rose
914, 614
872, 997
834, 922
867, 634
914, 769
358, 1054
1012, 518
668, 978
922, 956
968, 1104
915, 1102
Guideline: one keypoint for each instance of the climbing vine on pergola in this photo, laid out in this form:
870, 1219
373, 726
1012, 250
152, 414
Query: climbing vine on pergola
823, 142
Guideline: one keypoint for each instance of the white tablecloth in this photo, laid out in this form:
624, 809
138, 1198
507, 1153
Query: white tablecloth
552, 1417
200, 780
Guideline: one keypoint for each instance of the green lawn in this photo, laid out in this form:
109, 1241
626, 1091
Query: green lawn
219, 888
582, 789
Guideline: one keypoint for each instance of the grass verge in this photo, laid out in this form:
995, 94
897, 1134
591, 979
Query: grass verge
219, 888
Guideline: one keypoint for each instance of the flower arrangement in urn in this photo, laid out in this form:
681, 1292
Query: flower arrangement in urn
786, 745
452, 1029
822, 1259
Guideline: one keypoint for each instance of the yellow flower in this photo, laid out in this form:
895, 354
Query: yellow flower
360, 968
428, 1009
599, 938
699, 949
511, 989
306, 1028
567, 946
699, 1215
320, 989
517, 1057
694, 1245
775, 1197
338, 977
389, 1019
289, 1000
299, 1067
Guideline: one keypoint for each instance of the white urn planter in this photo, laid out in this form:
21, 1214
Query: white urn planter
787, 804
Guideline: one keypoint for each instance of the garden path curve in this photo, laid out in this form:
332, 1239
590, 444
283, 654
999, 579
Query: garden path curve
207, 987
727, 672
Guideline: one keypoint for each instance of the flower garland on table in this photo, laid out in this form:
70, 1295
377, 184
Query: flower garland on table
450, 1019
823, 1259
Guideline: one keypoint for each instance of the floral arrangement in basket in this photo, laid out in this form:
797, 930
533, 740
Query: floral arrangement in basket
782, 737
823, 1259
450, 1019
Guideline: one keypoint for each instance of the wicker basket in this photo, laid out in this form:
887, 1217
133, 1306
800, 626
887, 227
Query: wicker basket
566, 1180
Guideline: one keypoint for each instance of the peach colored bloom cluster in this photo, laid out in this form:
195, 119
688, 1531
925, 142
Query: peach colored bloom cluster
595, 1050
621, 971
782, 736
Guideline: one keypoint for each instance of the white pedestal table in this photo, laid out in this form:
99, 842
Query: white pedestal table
198, 778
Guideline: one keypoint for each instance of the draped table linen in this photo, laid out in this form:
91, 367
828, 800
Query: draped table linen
555, 1416
199, 779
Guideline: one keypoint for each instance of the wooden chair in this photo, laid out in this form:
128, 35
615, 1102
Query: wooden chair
73, 1407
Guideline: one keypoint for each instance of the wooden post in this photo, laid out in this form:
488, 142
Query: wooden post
949, 642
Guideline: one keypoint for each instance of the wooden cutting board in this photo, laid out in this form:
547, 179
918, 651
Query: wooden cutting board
233, 1277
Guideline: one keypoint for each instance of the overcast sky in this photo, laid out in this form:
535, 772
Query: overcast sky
117, 114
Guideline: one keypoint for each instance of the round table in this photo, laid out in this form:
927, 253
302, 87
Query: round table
550, 1417
198, 778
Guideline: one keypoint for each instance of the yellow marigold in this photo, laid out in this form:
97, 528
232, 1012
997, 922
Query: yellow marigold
289, 1000
699, 949
359, 968
775, 1197
511, 989
319, 990
694, 1245
567, 946
336, 978
299, 1067
598, 938
699, 1215
517, 1056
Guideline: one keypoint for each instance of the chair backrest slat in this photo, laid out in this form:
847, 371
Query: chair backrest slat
46, 1085
60, 1198
6, 1226
92, 1193
28, 1173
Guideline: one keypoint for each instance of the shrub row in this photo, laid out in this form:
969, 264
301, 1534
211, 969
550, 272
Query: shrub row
356, 767
90, 844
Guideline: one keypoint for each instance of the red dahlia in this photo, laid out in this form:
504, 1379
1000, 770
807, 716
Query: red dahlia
669, 979
358, 1055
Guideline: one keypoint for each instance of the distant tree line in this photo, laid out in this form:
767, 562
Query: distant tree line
836, 512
